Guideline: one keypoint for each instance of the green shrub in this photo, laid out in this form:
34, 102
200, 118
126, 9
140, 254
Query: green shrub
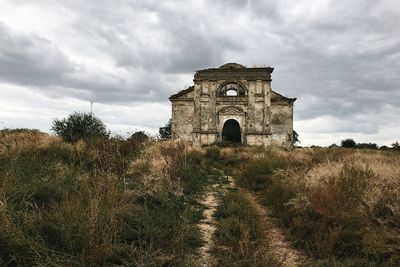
396, 145
166, 131
80, 126
138, 137
348, 143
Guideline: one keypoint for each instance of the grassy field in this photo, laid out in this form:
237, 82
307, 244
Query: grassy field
135, 203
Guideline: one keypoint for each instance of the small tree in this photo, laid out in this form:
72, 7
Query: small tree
396, 145
295, 138
165, 132
349, 143
80, 125
139, 137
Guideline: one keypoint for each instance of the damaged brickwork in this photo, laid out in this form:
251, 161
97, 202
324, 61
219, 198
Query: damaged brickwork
201, 112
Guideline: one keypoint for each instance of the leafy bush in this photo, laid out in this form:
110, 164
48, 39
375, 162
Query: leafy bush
396, 145
138, 137
348, 143
295, 138
80, 126
166, 132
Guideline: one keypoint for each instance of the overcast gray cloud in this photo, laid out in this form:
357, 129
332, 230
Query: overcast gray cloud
341, 59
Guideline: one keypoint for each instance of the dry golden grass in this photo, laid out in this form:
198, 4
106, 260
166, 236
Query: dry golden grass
341, 206
13, 141
157, 165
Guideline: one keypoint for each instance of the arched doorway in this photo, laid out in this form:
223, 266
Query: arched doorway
231, 131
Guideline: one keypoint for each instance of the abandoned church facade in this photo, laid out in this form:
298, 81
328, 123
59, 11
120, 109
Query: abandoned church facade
232, 103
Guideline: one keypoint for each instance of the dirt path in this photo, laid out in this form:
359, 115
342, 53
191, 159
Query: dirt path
286, 256
207, 224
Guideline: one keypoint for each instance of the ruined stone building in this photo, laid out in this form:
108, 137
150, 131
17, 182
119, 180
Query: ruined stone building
232, 103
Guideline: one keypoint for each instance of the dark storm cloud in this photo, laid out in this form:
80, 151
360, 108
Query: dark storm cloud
30, 60
165, 36
34, 61
342, 60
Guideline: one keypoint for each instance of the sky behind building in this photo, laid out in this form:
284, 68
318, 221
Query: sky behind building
341, 59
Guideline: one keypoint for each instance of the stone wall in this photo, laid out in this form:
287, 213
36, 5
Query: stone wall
282, 124
265, 117
182, 119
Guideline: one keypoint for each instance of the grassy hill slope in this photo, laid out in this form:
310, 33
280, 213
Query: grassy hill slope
133, 203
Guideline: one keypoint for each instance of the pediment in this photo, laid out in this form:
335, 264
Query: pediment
232, 111
275, 97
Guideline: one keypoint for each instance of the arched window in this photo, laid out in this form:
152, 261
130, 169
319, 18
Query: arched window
231, 92
231, 89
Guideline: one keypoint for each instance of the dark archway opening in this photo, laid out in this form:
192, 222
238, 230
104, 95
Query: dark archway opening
231, 132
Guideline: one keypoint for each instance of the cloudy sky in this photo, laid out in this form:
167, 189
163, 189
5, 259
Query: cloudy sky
341, 59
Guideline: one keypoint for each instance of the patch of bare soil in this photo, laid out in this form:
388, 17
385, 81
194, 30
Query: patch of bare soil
286, 256
207, 224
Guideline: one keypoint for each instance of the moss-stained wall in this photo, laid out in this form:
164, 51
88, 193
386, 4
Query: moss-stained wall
182, 118
264, 116
282, 123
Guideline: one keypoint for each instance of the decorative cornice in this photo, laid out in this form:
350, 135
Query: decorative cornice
234, 73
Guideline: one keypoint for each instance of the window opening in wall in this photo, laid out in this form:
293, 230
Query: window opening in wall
231, 92
231, 89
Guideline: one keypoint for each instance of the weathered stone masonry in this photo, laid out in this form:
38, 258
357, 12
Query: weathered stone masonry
231, 95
